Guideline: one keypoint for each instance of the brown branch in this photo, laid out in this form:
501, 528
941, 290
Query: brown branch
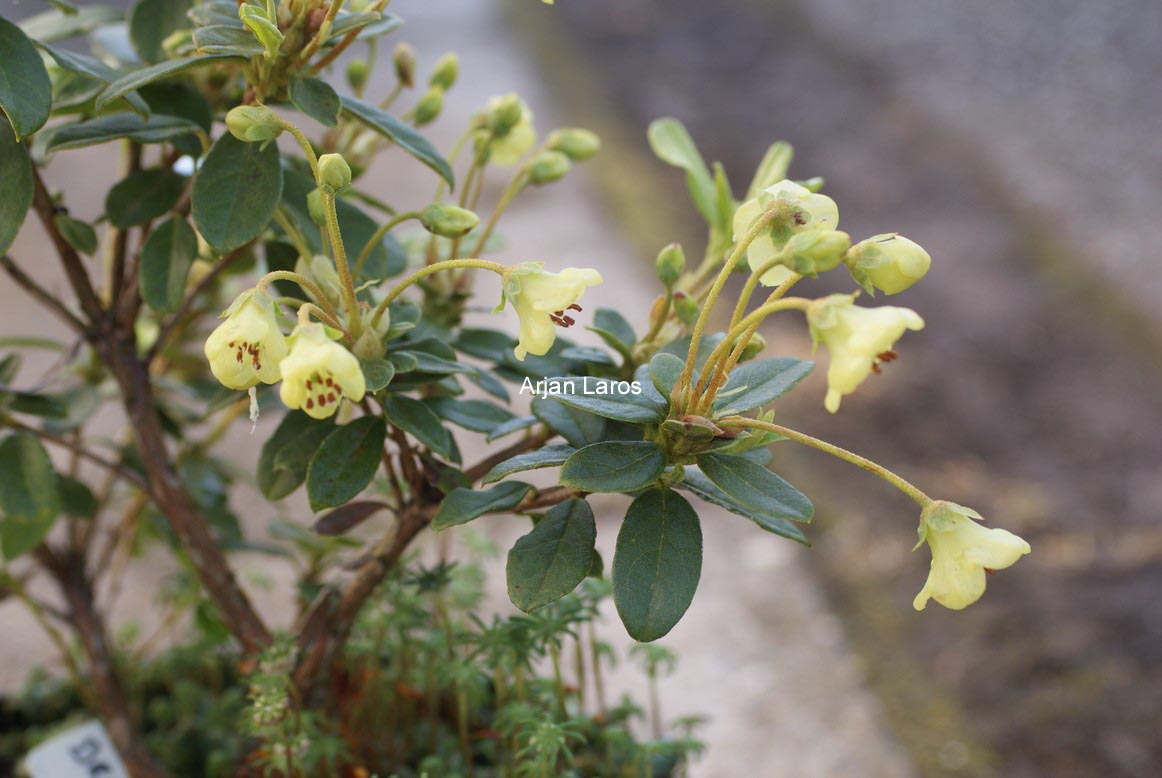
74, 268
108, 693
171, 496
43, 296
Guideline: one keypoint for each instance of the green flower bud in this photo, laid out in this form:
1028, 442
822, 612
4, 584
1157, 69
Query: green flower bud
504, 113
547, 167
753, 347
253, 123
334, 174
815, 251
357, 73
671, 263
686, 307
889, 262
405, 64
429, 106
575, 143
315, 207
448, 221
446, 71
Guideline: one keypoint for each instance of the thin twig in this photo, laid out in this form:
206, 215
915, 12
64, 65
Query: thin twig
43, 296
81, 451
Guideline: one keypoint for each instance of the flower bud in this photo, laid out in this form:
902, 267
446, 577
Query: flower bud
815, 251
446, 71
889, 262
671, 263
253, 123
753, 347
686, 308
357, 73
575, 143
334, 174
315, 207
405, 64
547, 167
429, 106
448, 221
321, 270
504, 113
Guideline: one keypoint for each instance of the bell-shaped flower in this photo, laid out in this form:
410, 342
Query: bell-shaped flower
808, 211
318, 373
858, 339
888, 262
543, 301
246, 348
513, 133
963, 552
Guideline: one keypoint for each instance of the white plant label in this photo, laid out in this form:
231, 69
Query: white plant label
84, 751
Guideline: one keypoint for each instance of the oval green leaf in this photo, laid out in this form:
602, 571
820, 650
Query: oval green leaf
235, 192
757, 383
548, 563
315, 98
152, 21
142, 196
611, 399
16, 173
755, 487
656, 564
25, 88
550, 456
156, 129
166, 257
283, 461
346, 462
614, 466
463, 505
416, 419
29, 494
399, 133
139, 78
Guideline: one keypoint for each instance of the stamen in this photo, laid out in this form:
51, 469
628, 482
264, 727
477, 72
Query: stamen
989, 570
888, 356
569, 321
575, 307
876, 368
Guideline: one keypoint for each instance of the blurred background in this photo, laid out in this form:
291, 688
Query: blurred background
1019, 143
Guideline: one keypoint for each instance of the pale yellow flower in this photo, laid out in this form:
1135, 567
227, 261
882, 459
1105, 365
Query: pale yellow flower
888, 262
858, 339
810, 211
245, 349
963, 552
543, 302
318, 373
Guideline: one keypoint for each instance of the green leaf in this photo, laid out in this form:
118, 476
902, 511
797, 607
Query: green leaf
513, 425
35, 404
152, 21
347, 517
755, 487
416, 419
227, 39
656, 564
491, 345
696, 483
673, 145
548, 563
93, 69
77, 499
25, 88
604, 396
80, 235
593, 356
757, 383
142, 196
399, 133
614, 466
29, 494
371, 22
377, 373
613, 323
772, 169
346, 462
315, 98
263, 28
283, 462
463, 505
166, 257
139, 78
16, 173
156, 129
665, 370
550, 456
236, 191
174, 98
578, 427
475, 415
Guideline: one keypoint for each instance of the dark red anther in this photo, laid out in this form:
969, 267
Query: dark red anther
569, 321
575, 307
888, 356
876, 368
